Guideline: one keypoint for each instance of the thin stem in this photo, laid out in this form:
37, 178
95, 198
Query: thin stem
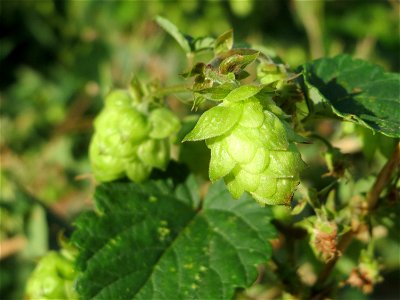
324, 191
381, 182
383, 178
322, 139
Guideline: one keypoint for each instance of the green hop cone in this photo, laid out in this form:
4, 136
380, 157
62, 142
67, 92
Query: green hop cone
129, 139
251, 150
53, 278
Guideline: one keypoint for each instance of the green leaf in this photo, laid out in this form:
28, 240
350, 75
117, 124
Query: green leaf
224, 42
243, 92
182, 40
242, 75
202, 82
215, 76
198, 69
293, 136
355, 90
195, 155
202, 43
299, 208
189, 192
215, 122
217, 93
145, 242
237, 61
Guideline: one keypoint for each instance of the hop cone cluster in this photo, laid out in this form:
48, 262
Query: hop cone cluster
130, 140
251, 149
53, 278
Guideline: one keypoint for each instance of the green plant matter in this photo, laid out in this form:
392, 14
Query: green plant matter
53, 278
250, 148
159, 232
130, 139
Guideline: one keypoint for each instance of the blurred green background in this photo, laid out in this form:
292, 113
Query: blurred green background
59, 58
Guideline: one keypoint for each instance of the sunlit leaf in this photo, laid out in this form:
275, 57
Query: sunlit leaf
355, 90
150, 242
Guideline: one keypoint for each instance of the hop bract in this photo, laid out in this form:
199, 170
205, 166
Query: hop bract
250, 148
130, 139
53, 278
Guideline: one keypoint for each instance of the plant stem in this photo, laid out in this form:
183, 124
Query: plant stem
381, 182
324, 191
383, 178
322, 139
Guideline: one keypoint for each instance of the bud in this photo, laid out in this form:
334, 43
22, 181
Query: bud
250, 148
324, 240
366, 275
130, 140
53, 278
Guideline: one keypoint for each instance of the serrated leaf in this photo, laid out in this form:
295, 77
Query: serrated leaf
243, 92
355, 90
224, 42
215, 122
169, 27
146, 243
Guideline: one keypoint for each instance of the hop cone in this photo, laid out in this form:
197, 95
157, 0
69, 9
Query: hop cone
251, 150
129, 140
52, 278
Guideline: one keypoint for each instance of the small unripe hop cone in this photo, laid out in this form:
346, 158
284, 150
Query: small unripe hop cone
130, 140
53, 278
250, 149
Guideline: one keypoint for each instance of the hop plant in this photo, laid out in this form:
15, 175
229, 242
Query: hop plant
324, 237
367, 274
53, 278
130, 139
270, 72
251, 148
